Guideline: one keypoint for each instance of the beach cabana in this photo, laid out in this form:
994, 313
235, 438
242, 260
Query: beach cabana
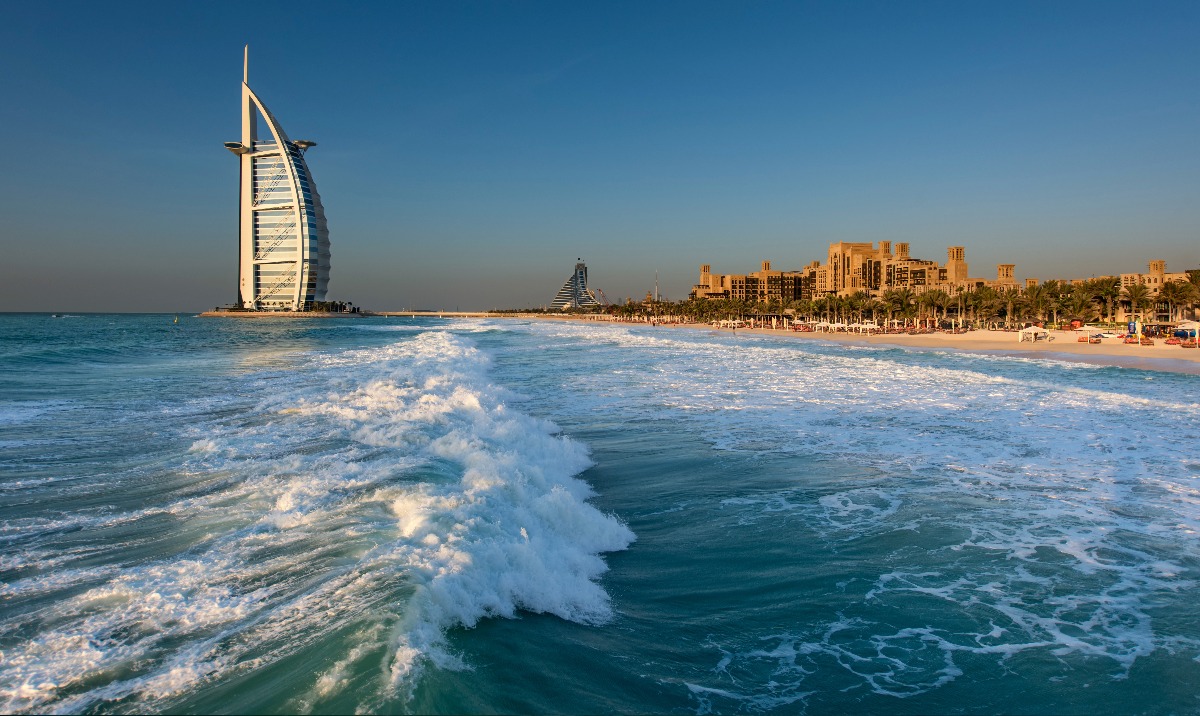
1033, 334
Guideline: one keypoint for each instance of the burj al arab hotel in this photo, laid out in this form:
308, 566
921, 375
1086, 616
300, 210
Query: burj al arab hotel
283, 261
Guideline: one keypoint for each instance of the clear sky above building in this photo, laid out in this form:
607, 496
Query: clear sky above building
468, 153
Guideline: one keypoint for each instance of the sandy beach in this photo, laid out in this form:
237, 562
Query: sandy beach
1064, 346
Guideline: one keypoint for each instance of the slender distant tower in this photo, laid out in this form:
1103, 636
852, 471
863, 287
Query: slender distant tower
283, 259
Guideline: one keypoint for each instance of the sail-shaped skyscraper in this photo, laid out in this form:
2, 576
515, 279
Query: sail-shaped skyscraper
284, 256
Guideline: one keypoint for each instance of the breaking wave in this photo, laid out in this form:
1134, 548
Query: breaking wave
381, 495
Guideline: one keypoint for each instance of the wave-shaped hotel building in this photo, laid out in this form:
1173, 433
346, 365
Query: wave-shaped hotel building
574, 293
284, 257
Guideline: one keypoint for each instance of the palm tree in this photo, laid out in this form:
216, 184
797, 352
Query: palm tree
1174, 293
898, 300
984, 303
960, 305
1194, 280
821, 308
1138, 297
969, 303
1063, 292
1057, 293
936, 301
1108, 290
925, 303
875, 307
806, 308
756, 310
941, 301
1080, 304
837, 308
989, 306
857, 303
1036, 302
1011, 298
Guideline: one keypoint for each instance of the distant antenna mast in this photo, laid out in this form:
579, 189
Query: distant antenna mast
656, 285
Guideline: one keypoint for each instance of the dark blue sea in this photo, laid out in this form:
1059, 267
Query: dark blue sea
508, 516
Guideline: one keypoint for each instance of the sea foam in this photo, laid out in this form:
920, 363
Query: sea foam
389, 492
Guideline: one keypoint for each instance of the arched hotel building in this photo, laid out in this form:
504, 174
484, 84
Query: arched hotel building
283, 263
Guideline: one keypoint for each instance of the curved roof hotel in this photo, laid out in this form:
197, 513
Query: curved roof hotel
283, 261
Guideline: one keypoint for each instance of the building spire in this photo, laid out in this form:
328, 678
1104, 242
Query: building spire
246, 66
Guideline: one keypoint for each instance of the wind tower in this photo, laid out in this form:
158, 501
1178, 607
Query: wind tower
956, 264
283, 238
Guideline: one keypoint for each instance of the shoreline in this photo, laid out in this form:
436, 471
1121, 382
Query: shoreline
279, 314
1111, 353
359, 314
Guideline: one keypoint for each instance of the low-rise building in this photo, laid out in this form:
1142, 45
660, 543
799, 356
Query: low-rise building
762, 285
1155, 277
851, 267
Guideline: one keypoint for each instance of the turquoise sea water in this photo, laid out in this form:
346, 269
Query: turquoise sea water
504, 516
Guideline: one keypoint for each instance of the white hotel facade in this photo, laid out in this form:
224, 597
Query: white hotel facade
284, 258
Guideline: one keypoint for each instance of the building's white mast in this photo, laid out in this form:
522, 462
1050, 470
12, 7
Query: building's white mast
248, 291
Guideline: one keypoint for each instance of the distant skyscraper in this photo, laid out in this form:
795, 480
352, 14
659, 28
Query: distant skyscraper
575, 293
284, 241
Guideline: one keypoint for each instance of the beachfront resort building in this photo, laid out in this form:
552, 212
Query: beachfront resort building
851, 267
283, 259
1155, 278
762, 285
574, 293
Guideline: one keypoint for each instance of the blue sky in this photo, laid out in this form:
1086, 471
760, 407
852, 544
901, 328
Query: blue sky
469, 152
